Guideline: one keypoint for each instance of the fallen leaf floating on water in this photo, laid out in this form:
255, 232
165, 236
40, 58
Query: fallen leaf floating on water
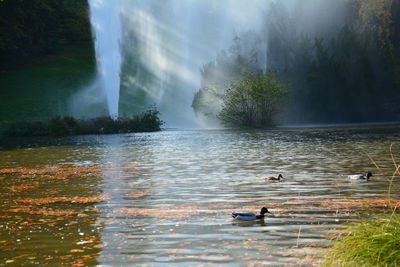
48, 200
21, 188
55, 172
44, 212
76, 250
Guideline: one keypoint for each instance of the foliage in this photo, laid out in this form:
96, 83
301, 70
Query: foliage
346, 72
371, 242
41, 91
244, 56
33, 28
26, 129
253, 101
236, 91
58, 127
341, 59
377, 19
46, 55
147, 121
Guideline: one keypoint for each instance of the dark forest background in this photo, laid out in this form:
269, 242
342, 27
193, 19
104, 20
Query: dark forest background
46, 56
341, 59
30, 29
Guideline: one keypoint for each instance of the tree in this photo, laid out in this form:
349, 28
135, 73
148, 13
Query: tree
376, 18
253, 101
245, 55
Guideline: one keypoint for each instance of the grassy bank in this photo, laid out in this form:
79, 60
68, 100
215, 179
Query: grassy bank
371, 242
41, 89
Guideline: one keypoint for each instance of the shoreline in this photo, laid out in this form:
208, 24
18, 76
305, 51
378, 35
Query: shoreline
290, 126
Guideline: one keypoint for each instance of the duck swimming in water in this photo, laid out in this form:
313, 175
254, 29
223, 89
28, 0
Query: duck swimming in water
360, 177
248, 216
273, 178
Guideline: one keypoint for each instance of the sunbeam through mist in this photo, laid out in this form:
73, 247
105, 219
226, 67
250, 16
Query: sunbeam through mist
163, 46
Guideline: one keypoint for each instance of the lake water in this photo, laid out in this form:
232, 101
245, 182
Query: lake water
165, 199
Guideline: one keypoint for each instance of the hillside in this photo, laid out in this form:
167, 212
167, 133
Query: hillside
46, 55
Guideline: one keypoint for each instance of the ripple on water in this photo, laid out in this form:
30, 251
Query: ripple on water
166, 198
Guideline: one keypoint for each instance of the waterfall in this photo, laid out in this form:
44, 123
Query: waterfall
105, 20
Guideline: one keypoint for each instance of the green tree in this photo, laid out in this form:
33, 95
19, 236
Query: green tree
244, 55
253, 101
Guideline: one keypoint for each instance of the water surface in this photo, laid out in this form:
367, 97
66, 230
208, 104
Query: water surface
165, 198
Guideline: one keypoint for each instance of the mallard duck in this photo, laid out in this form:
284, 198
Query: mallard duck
273, 178
248, 216
360, 176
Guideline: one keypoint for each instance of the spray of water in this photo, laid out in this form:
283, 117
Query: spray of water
105, 20
166, 43
154, 50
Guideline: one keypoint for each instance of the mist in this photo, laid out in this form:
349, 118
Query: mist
90, 101
166, 43
180, 56
338, 57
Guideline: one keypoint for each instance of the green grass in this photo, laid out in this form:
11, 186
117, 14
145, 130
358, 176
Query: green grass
41, 90
373, 241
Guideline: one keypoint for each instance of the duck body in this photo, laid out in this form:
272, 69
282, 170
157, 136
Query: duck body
248, 216
273, 178
360, 176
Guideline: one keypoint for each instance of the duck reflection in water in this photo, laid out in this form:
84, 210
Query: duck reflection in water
249, 223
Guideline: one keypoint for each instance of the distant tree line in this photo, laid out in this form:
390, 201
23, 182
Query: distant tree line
339, 58
33, 28
147, 121
348, 71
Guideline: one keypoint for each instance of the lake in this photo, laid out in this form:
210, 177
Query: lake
165, 198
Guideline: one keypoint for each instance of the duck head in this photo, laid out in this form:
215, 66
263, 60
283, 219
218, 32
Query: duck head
369, 174
264, 210
280, 176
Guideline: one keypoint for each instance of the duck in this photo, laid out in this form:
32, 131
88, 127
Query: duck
248, 216
360, 176
273, 178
